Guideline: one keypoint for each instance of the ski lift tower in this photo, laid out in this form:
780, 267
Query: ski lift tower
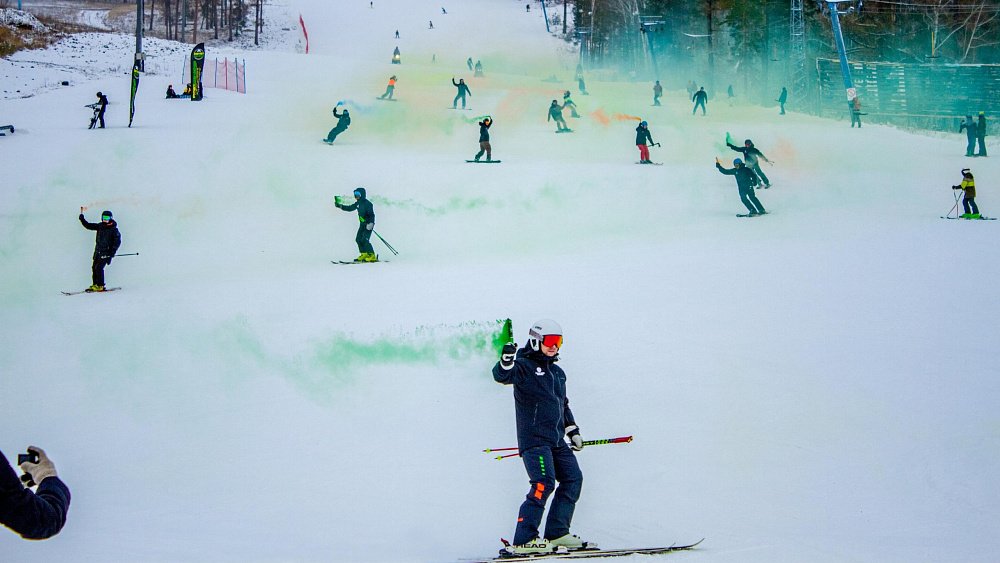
800, 76
648, 25
841, 49
584, 34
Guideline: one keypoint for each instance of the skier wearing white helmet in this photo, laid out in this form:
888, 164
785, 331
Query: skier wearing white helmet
543, 419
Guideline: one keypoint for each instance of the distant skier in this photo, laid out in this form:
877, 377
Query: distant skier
106, 245
970, 135
856, 112
463, 90
691, 88
543, 418
170, 92
366, 217
980, 133
479, 68
390, 89
555, 113
731, 95
395, 56
397, 34
443, 11
968, 186
527, 7
700, 98
581, 84
343, 122
642, 135
430, 24
657, 92
468, 63
569, 103
99, 107
782, 98
745, 181
484, 139
752, 156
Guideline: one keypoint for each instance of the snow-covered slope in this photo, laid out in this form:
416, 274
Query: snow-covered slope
819, 384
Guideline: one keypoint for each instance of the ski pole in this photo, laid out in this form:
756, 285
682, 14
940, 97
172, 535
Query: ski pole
386, 243
953, 207
129, 254
619, 440
489, 450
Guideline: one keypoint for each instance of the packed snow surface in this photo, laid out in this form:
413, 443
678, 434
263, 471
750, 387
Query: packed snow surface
819, 384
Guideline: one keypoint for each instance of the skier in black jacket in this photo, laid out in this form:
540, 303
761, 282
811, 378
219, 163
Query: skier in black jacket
752, 156
463, 90
970, 135
745, 181
484, 139
366, 216
108, 240
33, 515
642, 135
981, 133
343, 122
700, 98
555, 113
543, 418
99, 108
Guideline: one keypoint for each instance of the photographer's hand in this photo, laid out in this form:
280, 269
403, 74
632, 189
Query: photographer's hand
41, 470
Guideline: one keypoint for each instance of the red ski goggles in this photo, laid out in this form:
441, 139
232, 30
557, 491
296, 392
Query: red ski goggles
552, 340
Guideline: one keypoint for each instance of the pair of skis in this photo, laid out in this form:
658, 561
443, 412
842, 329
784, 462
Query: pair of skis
588, 553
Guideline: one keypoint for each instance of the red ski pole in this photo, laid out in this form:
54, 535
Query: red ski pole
619, 440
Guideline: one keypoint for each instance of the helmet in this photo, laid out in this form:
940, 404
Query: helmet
541, 329
737, 162
359, 192
748, 142
345, 111
643, 124
107, 214
966, 172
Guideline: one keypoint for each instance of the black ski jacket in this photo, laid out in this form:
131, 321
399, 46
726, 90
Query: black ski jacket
970, 128
463, 88
35, 516
746, 179
343, 119
700, 95
365, 209
484, 132
108, 237
981, 130
750, 154
540, 404
642, 135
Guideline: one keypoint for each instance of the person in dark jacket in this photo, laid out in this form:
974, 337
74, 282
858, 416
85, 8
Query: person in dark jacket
700, 98
642, 136
569, 103
752, 156
463, 90
33, 515
479, 68
970, 135
99, 107
108, 240
657, 92
782, 98
343, 122
484, 139
366, 216
171, 94
555, 112
856, 112
543, 418
981, 133
968, 186
746, 180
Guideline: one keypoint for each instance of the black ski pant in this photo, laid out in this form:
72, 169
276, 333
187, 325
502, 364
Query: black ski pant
454, 103
696, 104
332, 135
970, 147
362, 238
750, 200
855, 118
388, 92
546, 466
969, 204
760, 173
982, 146
97, 269
484, 147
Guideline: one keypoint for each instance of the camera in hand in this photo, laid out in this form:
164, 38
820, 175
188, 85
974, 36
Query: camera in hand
30, 457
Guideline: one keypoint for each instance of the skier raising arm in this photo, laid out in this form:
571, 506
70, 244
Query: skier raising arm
106, 244
463, 90
543, 417
366, 217
752, 156
745, 181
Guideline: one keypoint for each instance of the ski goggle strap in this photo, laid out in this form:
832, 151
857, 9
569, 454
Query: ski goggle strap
552, 340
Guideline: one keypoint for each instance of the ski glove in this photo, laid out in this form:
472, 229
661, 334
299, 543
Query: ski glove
507, 355
576, 441
40, 471
370, 226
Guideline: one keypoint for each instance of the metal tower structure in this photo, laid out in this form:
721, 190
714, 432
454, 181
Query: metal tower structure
797, 42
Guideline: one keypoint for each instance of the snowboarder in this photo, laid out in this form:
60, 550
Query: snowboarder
6, 128
484, 139
443, 11
33, 515
856, 112
968, 186
479, 68
343, 122
569, 103
657, 92
463, 90
752, 156
99, 107
782, 98
543, 417
745, 181
555, 113
581, 84
700, 98
980, 133
389, 89
970, 135
641, 137
366, 216
106, 244
468, 63
396, 56
170, 92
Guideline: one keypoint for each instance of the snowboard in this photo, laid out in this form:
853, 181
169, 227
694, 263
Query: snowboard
564, 131
5, 128
749, 215
339, 262
589, 553
387, 99
979, 219
484, 161
88, 291
462, 109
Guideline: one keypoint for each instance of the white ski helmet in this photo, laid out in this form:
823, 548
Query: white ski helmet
540, 329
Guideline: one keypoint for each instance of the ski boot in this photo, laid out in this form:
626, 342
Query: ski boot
966, 216
533, 547
975, 216
572, 542
95, 288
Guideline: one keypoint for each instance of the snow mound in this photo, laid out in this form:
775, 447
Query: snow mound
18, 18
